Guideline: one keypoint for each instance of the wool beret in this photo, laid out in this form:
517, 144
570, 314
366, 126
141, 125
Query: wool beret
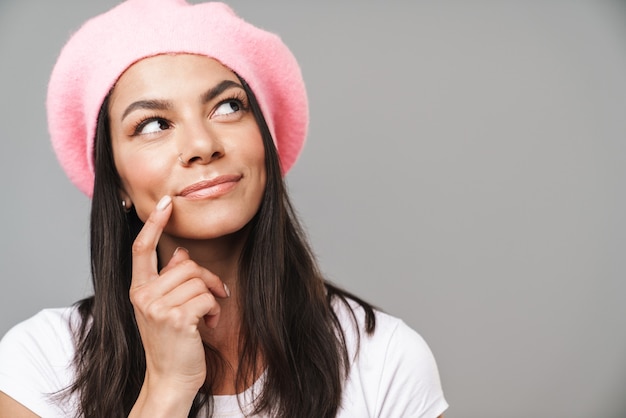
105, 46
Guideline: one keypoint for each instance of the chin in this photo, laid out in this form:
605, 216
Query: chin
207, 230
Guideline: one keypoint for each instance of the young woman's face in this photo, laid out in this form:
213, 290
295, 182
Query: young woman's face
181, 125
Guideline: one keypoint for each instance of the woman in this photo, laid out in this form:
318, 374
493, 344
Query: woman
180, 121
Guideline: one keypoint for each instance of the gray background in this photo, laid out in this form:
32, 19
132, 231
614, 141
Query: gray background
465, 170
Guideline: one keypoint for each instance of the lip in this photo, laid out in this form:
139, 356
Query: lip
214, 187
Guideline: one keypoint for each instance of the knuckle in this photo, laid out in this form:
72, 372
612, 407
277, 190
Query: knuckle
191, 268
178, 319
138, 297
140, 246
209, 302
189, 265
211, 278
198, 284
156, 311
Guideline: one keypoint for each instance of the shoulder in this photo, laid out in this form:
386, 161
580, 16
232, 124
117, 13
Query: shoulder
48, 332
393, 371
391, 337
36, 358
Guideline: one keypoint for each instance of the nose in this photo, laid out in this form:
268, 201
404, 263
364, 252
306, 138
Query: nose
198, 144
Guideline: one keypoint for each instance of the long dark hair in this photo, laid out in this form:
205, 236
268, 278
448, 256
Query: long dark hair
287, 320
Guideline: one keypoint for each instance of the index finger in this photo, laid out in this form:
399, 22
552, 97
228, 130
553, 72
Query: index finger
144, 263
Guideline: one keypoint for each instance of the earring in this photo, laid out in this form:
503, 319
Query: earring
126, 208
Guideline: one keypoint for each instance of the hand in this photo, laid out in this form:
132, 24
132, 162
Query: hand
169, 306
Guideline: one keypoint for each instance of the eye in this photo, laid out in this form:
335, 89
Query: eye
150, 126
228, 107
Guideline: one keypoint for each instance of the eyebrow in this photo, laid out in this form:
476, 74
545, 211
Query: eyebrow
156, 104
219, 89
147, 104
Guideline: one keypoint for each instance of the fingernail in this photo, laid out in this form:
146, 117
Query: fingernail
164, 203
180, 248
227, 290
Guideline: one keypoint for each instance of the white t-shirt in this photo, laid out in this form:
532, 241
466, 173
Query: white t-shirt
394, 374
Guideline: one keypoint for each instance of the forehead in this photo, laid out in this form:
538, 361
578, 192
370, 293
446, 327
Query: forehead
168, 75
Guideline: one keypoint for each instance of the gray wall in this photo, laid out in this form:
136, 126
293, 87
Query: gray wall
465, 170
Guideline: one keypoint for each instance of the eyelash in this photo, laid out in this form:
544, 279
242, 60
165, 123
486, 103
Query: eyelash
144, 121
239, 97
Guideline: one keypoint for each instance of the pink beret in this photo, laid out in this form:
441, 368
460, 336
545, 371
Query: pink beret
105, 46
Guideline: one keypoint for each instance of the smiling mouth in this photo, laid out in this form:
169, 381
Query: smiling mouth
213, 188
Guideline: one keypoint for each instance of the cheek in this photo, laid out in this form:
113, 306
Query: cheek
143, 179
255, 151
251, 155
256, 160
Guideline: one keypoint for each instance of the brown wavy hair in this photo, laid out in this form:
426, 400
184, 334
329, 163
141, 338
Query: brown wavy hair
287, 319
